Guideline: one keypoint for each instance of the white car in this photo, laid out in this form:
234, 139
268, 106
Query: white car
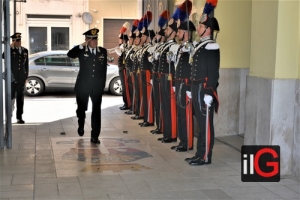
54, 70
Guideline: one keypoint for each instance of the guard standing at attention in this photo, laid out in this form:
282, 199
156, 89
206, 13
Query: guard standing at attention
205, 60
90, 81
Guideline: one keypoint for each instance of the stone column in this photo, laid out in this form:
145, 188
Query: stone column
272, 91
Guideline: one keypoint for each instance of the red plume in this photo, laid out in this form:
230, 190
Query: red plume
124, 27
136, 22
165, 14
148, 16
212, 2
186, 6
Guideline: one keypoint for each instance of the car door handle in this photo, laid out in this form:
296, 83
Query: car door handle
45, 69
76, 70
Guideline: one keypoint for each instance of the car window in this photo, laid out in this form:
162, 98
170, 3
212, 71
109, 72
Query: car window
40, 61
56, 61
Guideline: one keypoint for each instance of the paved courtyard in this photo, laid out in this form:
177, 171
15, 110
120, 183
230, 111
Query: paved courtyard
48, 160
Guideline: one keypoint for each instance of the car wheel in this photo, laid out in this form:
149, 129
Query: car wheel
115, 86
34, 86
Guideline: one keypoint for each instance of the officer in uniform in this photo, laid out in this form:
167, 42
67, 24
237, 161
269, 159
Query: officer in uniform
204, 76
19, 69
182, 84
90, 81
129, 64
153, 51
167, 71
122, 73
146, 68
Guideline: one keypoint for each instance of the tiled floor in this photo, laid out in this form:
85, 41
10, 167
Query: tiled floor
49, 161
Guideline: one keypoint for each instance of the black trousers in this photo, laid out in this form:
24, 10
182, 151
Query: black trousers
181, 112
137, 97
156, 99
122, 74
165, 85
17, 92
200, 113
82, 105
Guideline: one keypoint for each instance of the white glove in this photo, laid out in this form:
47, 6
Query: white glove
208, 100
174, 89
150, 59
189, 94
122, 47
151, 82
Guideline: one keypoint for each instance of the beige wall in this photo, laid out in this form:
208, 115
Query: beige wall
48, 7
112, 9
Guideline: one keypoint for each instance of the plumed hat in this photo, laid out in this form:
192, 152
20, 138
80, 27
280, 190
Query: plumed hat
123, 29
205, 19
181, 13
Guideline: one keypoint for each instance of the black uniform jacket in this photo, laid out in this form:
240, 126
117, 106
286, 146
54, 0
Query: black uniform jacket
205, 68
92, 69
19, 64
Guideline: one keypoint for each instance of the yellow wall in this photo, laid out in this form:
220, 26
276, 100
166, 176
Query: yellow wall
234, 38
287, 55
263, 38
274, 36
113, 9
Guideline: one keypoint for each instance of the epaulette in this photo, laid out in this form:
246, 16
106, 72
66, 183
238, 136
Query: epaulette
212, 46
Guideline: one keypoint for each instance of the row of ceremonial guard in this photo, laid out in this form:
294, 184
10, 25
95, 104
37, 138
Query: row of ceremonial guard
166, 83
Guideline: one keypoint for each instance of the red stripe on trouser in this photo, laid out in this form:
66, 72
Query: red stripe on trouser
189, 122
208, 137
150, 118
126, 88
141, 94
173, 112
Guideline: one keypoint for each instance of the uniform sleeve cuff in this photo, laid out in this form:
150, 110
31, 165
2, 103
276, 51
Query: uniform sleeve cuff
80, 46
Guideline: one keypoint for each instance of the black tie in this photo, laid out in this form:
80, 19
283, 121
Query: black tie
93, 52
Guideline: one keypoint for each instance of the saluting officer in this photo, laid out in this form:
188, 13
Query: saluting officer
19, 69
182, 84
204, 76
90, 81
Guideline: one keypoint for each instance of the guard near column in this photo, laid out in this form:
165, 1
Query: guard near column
205, 61
19, 69
90, 81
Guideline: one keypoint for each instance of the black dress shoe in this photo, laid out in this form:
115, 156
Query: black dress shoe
80, 131
160, 139
169, 140
136, 117
189, 159
141, 123
20, 121
198, 161
174, 147
146, 124
129, 112
95, 140
181, 149
124, 108
157, 132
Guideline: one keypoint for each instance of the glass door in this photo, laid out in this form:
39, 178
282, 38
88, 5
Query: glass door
59, 38
37, 39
